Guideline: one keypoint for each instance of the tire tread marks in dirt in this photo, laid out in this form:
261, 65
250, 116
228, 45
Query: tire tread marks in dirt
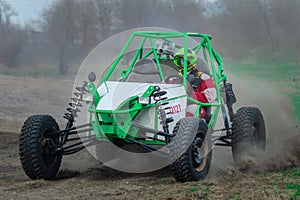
30, 148
244, 121
181, 150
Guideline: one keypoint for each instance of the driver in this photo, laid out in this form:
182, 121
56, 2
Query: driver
202, 87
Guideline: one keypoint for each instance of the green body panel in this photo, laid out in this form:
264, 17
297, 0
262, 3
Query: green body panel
93, 90
118, 123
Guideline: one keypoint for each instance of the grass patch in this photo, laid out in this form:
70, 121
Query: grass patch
194, 189
38, 72
293, 175
286, 76
178, 191
295, 172
295, 187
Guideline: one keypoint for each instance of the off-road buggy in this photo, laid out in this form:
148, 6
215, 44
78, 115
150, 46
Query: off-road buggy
136, 103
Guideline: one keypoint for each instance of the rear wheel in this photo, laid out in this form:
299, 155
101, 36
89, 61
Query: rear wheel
248, 135
36, 147
191, 150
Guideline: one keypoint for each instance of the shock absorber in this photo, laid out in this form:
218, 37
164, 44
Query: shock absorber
75, 104
163, 111
229, 98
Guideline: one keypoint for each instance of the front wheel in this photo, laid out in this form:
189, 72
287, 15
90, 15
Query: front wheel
190, 150
36, 147
248, 135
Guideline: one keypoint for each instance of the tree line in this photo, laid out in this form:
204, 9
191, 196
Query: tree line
68, 29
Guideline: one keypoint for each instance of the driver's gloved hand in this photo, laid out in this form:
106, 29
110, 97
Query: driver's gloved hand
190, 78
194, 71
194, 82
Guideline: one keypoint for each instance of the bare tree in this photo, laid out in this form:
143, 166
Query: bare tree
6, 13
60, 22
87, 28
244, 28
106, 16
11, 35
241, 28
75, 26
175, 14
285, 29
187, 15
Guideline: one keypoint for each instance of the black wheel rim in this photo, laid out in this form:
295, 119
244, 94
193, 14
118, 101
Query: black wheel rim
47, 148
255, 137
255, 143
199, 152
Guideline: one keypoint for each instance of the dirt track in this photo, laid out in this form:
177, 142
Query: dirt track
82, 177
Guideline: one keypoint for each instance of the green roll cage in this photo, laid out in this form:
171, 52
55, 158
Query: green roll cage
110, 126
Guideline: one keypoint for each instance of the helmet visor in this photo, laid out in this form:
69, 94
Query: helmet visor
179, 62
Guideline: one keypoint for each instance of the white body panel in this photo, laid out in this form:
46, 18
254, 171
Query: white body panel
114, 93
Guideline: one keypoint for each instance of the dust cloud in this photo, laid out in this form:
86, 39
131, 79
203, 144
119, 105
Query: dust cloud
283, 139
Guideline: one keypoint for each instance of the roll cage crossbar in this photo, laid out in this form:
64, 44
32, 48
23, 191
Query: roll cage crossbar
209, 54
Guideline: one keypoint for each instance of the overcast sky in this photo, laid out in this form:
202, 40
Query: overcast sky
28, 9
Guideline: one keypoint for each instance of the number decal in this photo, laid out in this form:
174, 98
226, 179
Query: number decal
175, 109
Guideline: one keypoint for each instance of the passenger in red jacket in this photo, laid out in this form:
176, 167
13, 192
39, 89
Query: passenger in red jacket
202, 87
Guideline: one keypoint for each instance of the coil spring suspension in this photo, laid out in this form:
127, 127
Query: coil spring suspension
163, 111
229, 98
228, 94
75, 105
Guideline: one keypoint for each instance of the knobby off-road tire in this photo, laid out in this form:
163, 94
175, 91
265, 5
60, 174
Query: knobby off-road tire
34, 147
190, 150
248, 135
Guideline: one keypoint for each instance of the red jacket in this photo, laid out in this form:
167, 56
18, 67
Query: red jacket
205, 92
